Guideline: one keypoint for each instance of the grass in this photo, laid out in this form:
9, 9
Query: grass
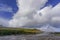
18, 31
57, 33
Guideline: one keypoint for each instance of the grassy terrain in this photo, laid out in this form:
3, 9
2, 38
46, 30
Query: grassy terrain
17, 31
56, 33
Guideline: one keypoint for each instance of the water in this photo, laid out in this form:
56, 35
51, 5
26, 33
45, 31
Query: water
30, 37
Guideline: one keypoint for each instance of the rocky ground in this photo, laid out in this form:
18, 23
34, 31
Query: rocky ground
30, 37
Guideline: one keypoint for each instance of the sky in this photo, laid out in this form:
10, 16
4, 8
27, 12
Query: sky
30, 13
13, 5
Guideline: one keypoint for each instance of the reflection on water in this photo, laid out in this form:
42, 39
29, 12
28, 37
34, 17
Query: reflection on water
29, 37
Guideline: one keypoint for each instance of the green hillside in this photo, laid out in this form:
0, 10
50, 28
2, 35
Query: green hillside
18, 31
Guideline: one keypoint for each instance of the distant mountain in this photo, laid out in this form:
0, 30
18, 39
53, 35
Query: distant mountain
1, 26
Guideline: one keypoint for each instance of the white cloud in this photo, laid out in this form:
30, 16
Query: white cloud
27, 9
5, 8
49, 28
50, 15
55, 14
30, 15
4, 22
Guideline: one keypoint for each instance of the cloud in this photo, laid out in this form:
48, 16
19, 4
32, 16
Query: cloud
55, 15
5, 8
30, 14
4, 22
49, 28
27, 9
50, 15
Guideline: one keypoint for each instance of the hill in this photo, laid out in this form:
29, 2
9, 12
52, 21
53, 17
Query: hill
18, 31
